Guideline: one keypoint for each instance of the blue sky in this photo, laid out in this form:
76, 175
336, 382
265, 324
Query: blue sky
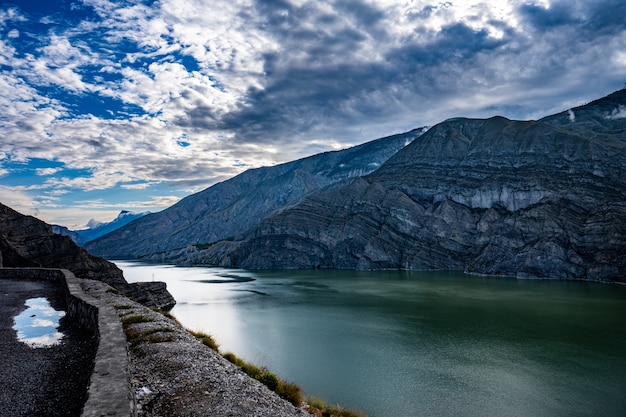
111, 105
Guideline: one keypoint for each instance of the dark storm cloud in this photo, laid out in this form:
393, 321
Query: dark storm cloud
323, 74
596, 16
557, 15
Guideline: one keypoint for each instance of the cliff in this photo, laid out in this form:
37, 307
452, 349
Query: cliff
531, 199
28, 242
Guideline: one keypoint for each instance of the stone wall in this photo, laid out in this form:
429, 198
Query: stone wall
109, 391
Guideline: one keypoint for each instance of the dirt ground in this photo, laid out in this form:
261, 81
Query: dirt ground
45, 381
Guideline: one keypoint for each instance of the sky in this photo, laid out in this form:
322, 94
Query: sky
133, 105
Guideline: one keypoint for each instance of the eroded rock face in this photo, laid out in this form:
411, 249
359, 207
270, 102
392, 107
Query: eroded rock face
28, 242
535, 199
229, 209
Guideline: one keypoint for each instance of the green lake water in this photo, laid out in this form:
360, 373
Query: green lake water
397, 343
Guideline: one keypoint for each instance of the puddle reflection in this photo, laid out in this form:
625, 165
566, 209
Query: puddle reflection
37, 325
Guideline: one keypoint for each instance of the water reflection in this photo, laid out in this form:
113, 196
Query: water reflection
398, 343
37, 325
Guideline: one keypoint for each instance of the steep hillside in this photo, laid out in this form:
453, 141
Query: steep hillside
537, 199
232, 207
28, 242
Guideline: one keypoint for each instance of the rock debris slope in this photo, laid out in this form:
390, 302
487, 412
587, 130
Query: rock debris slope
531, 199
172, 374
232, 207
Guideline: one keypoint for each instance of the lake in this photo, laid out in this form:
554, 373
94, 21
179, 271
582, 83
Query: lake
398, 343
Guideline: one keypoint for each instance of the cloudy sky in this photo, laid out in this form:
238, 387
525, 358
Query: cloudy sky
110, 105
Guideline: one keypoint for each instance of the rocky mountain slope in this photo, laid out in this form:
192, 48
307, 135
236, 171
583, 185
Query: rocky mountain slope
230, 208
28, 242
532, 199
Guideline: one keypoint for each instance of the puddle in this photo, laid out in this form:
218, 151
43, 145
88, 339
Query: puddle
37, 325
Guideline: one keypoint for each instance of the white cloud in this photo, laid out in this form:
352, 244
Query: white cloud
619, 113
42, 172
267, 82
18, 199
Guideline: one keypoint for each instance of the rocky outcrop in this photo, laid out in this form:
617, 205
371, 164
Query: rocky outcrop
229, 209
28, 242
531, 199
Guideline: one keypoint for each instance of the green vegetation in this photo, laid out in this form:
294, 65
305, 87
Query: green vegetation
134, 336
136, 318
286, 390
319, 408
206, 339
158, 335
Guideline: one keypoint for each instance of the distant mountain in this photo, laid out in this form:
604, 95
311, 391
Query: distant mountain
530, 199
98, 229
228, 209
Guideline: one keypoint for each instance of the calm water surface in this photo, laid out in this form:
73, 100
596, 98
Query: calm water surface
414, 343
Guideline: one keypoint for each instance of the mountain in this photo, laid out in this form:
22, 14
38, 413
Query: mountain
530, 199
80, 237
28, 242
230, 208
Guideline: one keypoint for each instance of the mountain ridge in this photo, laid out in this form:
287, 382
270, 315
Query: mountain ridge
531, 199
230, 208
83, 236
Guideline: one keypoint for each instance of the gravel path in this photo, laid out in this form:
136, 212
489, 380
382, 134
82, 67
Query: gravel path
175, 375
45, 381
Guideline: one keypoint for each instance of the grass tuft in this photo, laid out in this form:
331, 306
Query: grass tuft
290, 392
319, 408
136, 318
157, 335
206, 339
286, 390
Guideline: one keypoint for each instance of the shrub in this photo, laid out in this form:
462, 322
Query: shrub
230, 357
290, 392
269, 379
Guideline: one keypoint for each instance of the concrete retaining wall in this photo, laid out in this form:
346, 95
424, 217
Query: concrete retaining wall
109, 389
